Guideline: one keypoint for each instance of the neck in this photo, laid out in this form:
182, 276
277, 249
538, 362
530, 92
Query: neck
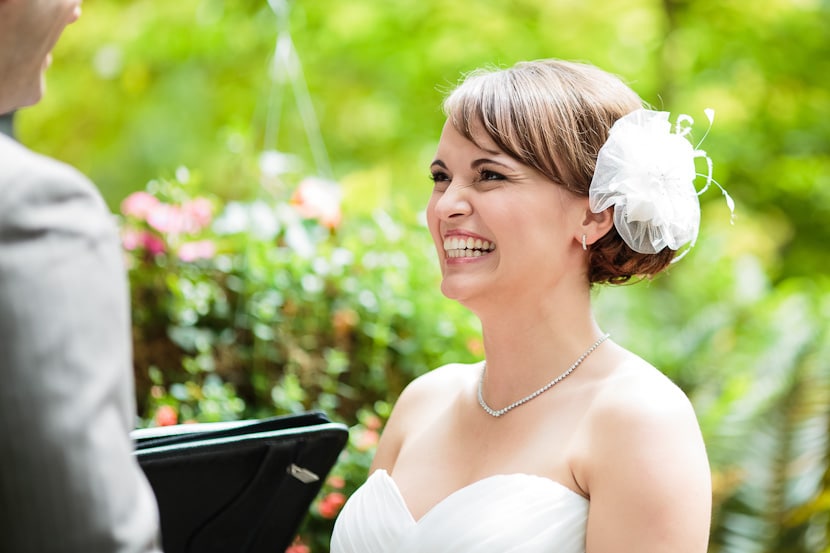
530, 343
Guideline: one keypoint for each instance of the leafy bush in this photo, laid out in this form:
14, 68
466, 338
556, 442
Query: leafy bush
269, 311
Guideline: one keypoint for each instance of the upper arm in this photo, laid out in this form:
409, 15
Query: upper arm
393, 434
649, 486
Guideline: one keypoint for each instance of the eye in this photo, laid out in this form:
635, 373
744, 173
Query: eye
441, 180
489, 180
487, 175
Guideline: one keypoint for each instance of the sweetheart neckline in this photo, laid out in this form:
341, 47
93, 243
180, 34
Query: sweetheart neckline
397, 491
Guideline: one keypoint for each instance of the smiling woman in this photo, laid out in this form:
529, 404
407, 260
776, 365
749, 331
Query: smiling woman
544, 446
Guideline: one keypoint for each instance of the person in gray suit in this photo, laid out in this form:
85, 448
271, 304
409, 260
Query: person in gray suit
68, 479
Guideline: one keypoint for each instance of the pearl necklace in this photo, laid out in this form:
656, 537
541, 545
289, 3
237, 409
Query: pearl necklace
499, 412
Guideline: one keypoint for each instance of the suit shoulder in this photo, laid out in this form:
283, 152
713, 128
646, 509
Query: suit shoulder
28, 176
35, 188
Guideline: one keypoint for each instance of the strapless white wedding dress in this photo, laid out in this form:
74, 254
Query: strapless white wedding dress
516, 513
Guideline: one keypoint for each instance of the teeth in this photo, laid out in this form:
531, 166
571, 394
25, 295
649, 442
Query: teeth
467, 247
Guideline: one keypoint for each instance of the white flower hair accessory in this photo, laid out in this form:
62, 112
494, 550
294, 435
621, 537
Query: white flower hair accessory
647, 173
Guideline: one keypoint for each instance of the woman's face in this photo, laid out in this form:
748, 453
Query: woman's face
503, 231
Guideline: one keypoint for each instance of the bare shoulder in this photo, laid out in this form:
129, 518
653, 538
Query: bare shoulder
431, 390
440, 382
637, 393
428, 394
639, 411
646, 469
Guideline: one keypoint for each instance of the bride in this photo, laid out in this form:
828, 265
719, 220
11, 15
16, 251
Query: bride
562, 440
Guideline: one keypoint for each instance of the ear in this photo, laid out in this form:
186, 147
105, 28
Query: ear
595, 225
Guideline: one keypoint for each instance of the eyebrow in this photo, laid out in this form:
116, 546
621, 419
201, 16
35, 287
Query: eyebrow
475, 164
483, 161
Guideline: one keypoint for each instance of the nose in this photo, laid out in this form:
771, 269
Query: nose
454, 202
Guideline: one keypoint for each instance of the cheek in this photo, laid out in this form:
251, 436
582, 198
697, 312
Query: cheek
432, 218
434, 226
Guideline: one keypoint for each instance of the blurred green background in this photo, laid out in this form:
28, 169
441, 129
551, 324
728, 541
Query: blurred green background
141, 89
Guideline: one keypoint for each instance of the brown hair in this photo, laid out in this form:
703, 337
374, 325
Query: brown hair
554, 116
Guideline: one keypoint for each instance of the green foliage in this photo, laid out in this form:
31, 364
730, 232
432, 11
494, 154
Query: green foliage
289, 314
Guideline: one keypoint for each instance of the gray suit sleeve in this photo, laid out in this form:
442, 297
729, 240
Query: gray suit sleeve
68, 479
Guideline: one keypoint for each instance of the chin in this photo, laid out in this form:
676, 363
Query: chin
455, 289
33, 99
31, 95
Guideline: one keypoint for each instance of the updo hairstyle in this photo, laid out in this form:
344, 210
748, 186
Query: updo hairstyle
554, 116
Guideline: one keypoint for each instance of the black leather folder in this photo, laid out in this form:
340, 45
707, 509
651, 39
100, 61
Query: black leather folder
241, 487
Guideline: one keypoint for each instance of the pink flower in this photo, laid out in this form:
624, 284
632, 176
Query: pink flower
190, 217
131, 239
367, 440
298, 547
201, 249
139, 204
331, 504
337, 482
166, 218
319, 199
134, 239
373, 422
198, 214
153, 243
166, 416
